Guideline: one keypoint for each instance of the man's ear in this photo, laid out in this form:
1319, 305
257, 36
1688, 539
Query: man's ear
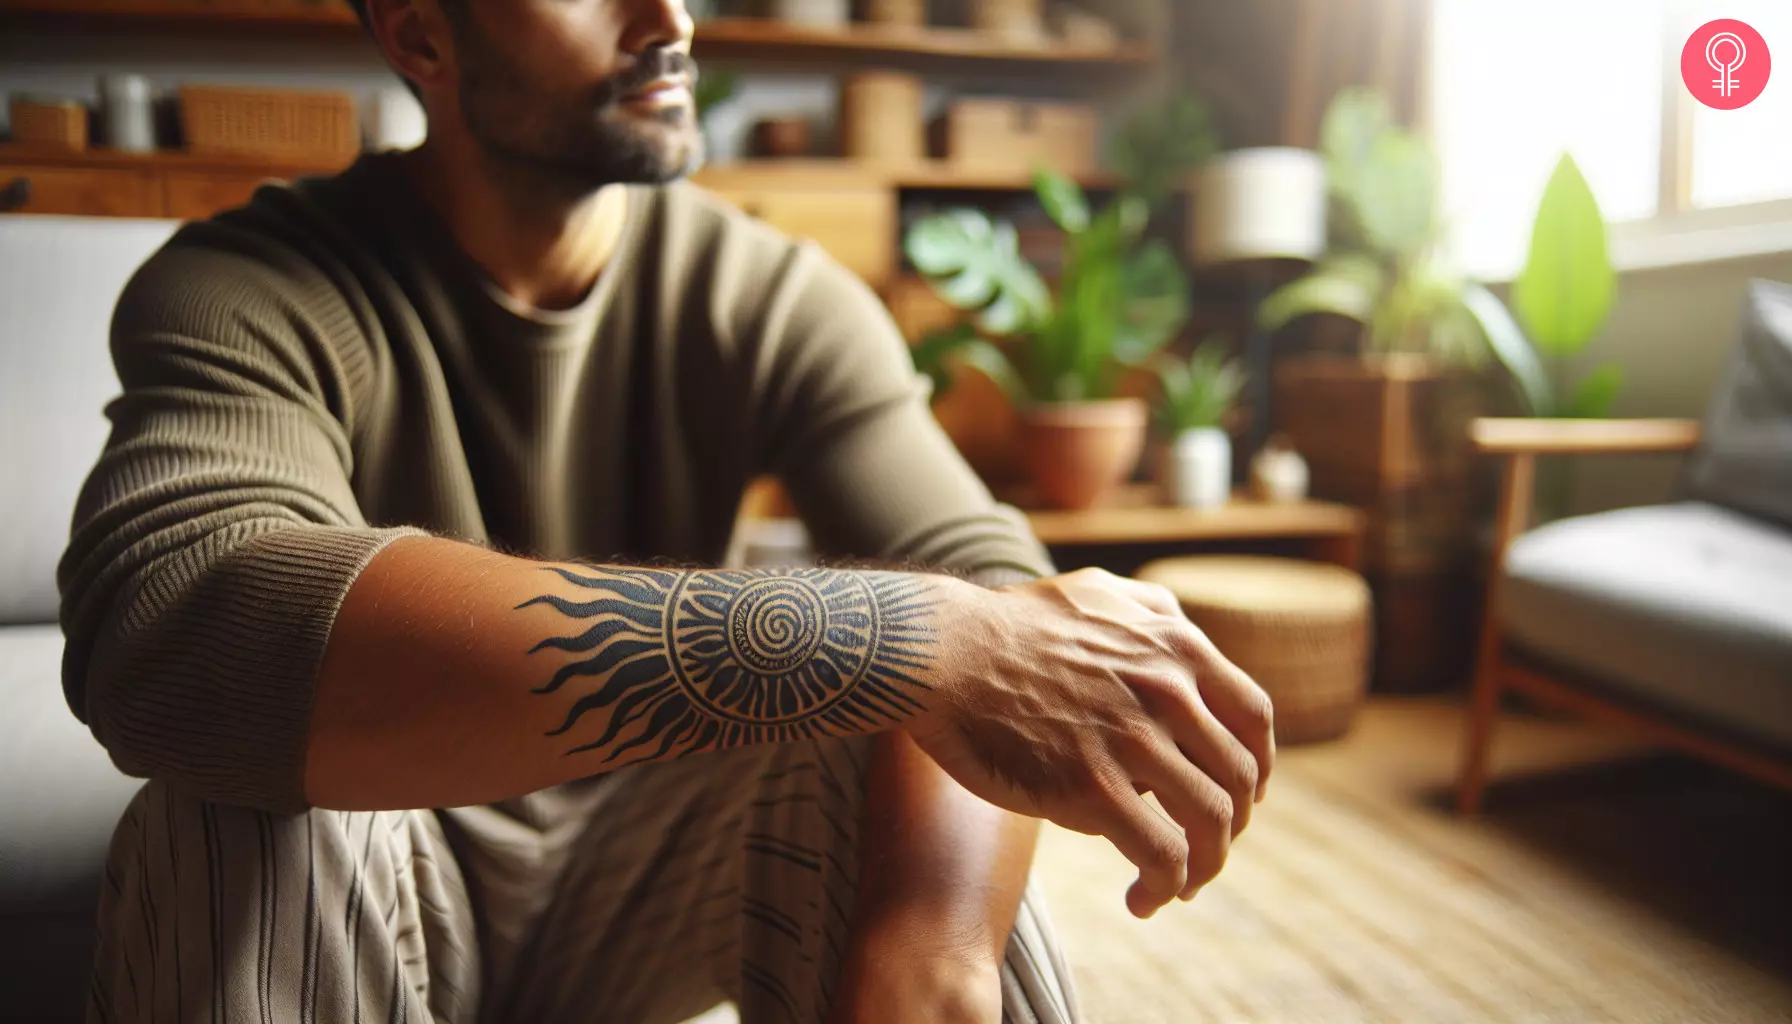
416, 38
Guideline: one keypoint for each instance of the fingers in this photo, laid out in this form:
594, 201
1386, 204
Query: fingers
1206, 744
1231, 698
1150, 841
1195, 801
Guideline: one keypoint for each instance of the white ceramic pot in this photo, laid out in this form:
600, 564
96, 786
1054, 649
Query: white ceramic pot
1198, 468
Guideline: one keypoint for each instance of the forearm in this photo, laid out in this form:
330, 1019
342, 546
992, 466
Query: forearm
455, 675
941, 874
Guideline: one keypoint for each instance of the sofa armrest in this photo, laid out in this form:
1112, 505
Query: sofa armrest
1502, 436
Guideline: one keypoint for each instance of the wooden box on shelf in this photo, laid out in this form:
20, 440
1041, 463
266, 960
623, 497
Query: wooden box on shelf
881, 118
1018, 135
269, 122
49, 123
904, 13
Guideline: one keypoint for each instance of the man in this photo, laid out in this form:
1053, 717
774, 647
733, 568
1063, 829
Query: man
288, 605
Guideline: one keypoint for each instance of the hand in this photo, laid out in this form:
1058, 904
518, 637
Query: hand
1069, 698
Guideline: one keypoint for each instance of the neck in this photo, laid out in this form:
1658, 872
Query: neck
543, 243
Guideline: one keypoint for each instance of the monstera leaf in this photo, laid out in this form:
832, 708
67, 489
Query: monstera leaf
975, 264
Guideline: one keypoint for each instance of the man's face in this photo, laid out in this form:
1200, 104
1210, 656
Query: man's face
597, 92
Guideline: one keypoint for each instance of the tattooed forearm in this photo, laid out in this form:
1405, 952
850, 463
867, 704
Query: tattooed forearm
688, 661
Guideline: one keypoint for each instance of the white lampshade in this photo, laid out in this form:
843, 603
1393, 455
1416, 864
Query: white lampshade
1266, 203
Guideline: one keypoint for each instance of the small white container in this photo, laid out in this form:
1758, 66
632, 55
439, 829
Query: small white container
128, 113
1278, 473
1198, 468
812, 13
393, 119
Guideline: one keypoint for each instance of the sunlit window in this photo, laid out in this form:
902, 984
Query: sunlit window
1514, 83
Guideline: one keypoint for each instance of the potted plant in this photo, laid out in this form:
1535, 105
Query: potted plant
1196, 396
1060, 358
1120, 299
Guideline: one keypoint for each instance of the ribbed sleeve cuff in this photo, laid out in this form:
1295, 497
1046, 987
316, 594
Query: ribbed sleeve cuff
222, 698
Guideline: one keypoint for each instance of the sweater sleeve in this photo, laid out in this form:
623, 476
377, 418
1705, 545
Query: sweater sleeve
849, 431
218, 534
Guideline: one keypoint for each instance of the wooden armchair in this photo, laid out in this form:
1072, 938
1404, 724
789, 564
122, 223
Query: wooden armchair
1505, 664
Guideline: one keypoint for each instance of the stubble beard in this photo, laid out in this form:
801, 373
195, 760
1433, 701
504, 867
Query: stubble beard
579, 144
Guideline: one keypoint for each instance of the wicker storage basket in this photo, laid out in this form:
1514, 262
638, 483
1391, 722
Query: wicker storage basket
1300, 629
881, 118
40, 121
269, 122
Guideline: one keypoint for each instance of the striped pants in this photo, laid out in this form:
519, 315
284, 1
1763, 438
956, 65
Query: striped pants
650, 894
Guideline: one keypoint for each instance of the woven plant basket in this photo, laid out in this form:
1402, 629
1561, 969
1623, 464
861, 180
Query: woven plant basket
1300, 629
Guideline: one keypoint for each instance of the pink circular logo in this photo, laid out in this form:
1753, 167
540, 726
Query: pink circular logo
1725, 64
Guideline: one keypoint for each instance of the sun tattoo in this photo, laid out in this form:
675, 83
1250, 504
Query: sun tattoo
692, 661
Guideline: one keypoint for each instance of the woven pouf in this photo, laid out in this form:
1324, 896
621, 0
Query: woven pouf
1300, 629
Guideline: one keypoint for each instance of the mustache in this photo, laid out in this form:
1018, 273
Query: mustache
656, 63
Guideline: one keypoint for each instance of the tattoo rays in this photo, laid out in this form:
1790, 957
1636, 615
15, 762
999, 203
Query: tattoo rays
692, 660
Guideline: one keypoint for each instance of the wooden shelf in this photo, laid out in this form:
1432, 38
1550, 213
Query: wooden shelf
757, 39
17, 154
820, 174
840, 173
331, 15
724, 39
1137, 515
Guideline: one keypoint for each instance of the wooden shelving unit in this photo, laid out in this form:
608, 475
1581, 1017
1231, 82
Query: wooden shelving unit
723, 39
748, 174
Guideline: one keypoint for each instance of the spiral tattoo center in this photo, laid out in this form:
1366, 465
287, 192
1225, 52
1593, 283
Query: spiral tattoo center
774, 625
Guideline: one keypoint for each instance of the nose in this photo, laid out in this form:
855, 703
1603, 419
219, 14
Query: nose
657, 23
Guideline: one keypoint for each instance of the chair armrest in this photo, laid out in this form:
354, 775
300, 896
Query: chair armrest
1580, 437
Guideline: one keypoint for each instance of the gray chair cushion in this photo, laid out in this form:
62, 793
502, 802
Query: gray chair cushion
1745, 458
1685, 606
60, 799
59, 279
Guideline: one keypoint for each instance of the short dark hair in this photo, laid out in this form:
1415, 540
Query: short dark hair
360, 7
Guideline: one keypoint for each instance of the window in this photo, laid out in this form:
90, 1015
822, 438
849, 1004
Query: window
1514, 83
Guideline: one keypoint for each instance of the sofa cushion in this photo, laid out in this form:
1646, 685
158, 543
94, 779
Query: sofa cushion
1685, 606
60, 799
1745, 458
63, 276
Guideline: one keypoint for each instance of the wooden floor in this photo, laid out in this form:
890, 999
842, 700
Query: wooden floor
1598, 886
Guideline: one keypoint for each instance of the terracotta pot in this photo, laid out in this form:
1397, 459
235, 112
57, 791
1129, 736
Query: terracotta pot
1078, 452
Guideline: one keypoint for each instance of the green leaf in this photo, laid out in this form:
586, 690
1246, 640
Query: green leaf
1592, 398
1565, 291
1354, 120
1154, 303
993, 363
1063, 200
975, 264
1345, 290
1396, 195
931, 352
1201, 391
1508, 344
1161, 143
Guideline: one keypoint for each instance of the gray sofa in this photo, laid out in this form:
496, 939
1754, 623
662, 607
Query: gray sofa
59, 794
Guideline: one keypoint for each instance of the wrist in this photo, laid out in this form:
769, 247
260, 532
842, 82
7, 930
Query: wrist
891, 979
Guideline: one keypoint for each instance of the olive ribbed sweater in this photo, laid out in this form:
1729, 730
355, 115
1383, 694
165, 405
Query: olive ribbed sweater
324, 370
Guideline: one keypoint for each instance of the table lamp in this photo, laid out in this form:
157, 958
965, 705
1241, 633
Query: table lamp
1260, 214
